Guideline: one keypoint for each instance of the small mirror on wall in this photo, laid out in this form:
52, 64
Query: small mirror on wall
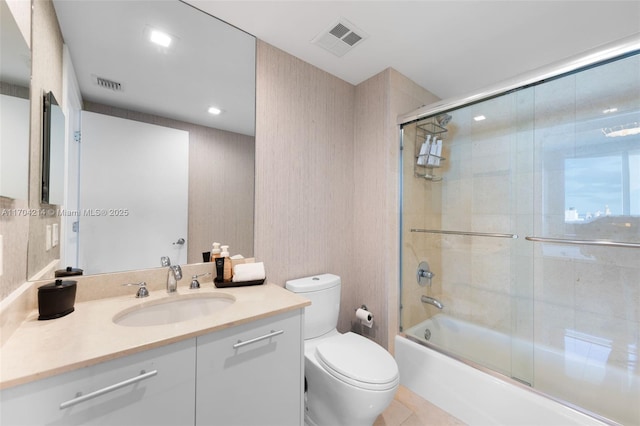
52, 152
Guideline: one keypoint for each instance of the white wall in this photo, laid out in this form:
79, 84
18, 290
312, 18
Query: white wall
134, 180
14, 149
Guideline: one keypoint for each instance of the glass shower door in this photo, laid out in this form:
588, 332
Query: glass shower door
465, 226
556, 164
587, 294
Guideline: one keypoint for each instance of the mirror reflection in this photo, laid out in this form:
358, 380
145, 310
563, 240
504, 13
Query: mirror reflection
15, 75
156, 166
52, 173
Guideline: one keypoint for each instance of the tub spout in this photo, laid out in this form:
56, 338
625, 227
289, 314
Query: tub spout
432, 301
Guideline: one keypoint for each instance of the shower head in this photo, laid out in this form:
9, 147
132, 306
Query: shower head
443, 119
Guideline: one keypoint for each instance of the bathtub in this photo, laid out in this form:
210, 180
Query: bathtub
483, 397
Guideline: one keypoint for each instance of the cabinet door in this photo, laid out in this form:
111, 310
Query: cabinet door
155, 387
252, 374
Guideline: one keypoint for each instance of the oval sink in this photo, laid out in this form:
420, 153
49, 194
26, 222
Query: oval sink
173, 309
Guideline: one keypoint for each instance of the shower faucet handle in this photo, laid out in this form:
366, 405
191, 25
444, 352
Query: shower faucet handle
424, 274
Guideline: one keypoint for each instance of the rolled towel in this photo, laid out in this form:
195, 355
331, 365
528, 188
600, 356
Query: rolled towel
424, 151
438, 153
248, 272
433, 153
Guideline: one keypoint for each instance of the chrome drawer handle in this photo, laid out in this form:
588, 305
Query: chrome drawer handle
108, 389
257, 339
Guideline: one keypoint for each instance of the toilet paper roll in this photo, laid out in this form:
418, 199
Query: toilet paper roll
365, 317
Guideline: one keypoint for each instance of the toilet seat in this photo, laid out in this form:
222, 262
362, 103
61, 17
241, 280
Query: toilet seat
358, 361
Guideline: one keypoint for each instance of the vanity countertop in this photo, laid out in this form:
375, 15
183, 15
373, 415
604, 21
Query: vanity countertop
88, 336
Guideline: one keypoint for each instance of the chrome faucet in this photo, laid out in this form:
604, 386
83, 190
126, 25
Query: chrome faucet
142, 289
195, 284
431, 301
173, 276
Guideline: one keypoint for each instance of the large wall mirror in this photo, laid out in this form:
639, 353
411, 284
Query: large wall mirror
138, 96
15, 76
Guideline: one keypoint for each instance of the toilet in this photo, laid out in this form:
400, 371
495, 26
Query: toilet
349, 379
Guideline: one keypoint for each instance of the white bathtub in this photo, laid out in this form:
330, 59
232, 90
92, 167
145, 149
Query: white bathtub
476, 397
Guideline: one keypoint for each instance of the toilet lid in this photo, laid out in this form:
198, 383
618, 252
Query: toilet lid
358, 361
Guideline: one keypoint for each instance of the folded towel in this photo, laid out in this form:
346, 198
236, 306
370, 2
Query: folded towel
237, 261
248, 272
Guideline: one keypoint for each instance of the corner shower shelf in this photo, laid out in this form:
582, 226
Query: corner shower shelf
425, 163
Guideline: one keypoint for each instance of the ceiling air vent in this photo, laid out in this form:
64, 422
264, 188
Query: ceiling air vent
340, 37
108, 84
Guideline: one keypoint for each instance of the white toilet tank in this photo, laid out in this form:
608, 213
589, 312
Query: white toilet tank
324, 292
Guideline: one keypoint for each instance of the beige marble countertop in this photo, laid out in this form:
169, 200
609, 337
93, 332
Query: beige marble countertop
88, 336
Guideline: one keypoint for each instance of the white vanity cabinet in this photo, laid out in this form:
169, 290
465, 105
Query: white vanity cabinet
252, 374
249, 374
155, 387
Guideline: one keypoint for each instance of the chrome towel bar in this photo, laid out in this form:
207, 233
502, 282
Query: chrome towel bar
583, 242
472, 234
602, 243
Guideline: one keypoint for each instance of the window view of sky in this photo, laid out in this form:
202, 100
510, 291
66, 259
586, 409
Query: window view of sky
596, 186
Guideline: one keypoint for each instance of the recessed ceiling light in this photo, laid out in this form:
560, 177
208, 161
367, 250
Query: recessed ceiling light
214, 110
479, 117
160, 38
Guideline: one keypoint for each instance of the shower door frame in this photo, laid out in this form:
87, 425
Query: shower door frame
598, 56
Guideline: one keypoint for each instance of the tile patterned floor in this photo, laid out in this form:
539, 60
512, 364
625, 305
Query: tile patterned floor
409, 409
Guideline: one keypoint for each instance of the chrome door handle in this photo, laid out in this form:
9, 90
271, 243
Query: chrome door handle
99, 392
257, 339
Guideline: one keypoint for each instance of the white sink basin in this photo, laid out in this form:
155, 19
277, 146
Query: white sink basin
174, 309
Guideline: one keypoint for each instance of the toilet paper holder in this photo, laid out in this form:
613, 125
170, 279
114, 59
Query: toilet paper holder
365, 317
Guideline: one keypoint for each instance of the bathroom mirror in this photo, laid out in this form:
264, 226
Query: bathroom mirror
205, 63
15, 76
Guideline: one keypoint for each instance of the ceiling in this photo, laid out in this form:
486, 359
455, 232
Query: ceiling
450, 48
209, 63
